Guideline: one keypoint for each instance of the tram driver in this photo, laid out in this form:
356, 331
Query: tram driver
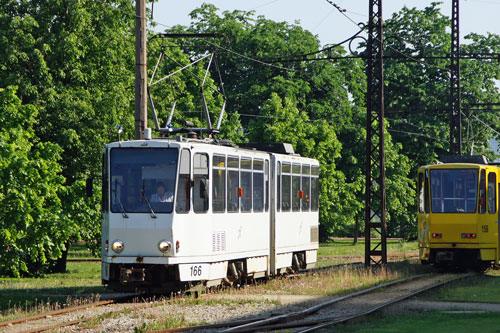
161, 195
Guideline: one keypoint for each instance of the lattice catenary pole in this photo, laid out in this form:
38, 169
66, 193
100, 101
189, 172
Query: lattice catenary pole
375, 216
455, 94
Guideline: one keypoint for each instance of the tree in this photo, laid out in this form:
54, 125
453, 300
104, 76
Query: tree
418, 92
74, 62
32, 228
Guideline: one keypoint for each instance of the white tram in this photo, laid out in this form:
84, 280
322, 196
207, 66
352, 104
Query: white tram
181, 212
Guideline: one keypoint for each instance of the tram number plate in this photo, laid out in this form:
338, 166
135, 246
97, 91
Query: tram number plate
196, 270
484, 228
191, 272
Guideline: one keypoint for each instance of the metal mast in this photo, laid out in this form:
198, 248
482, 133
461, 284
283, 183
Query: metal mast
141, 75
375, 216
455, 94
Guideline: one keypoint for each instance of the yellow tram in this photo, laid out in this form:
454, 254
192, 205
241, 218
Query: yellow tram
458, 212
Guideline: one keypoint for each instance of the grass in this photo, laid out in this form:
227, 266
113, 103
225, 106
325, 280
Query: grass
332, 252
335, 282
20, 297
428, 322
166, 323
78, 250
179, 320
482, 288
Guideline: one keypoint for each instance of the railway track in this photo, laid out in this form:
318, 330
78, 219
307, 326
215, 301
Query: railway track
38, 323
338, 310
45, 321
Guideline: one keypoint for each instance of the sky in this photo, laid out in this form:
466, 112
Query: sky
323, 20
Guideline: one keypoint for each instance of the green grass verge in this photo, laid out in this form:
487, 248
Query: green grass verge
79, 250
481, 288
428, 322
28, 296
329, 253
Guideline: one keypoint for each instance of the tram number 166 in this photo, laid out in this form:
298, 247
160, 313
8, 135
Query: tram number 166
195, 270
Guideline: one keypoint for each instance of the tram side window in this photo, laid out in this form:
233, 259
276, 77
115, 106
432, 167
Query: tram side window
482, 192
246, 185
219, 183
421, 192
278, 188
266, 180
258, 185
105, 196
305, 187
200, 172
184, 186
314, 188
296, 193
285, 187
427, 205
492, 199
233, 184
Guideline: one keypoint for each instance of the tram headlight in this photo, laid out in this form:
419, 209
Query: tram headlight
164, 246
117, 246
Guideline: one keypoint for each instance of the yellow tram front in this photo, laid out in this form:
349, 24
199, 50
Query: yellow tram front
458, 214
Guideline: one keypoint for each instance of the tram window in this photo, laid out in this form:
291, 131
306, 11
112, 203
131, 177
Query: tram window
105, 196
200, 172
278, 188
258, 185
305, 187
482, 192
246, 185
454, 190
285, 187
233, 184
492, 200
184, 186
219, 183
314, 188
137, 175
426, 193
421, 192
296, 193
266, 180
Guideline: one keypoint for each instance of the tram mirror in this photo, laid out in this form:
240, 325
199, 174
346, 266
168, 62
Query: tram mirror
89, 187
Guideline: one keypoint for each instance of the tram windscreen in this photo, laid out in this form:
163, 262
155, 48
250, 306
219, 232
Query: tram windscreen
454, 190
143, 180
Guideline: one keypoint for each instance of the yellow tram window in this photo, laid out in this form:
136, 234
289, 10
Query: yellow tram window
492, 200
421, 192
482, 192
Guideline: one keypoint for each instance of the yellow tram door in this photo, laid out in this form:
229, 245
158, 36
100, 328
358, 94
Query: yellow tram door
487, 227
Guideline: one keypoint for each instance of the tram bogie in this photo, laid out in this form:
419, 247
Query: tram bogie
180, 212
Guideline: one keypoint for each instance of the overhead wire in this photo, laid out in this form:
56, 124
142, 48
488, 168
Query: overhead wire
342, 11
483, 123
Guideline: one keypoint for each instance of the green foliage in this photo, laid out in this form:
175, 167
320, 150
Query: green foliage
318, 107
73, 64
32, 229
418, 93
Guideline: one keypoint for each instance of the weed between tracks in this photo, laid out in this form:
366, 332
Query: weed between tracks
336, 281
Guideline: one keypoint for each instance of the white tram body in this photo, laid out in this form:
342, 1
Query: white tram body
224, 213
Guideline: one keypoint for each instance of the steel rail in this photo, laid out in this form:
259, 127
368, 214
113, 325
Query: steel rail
386, 304
311, 310
64, 311
55, 313
82, 320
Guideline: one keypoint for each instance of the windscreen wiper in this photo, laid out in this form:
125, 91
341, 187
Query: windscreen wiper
153, 215
124, 213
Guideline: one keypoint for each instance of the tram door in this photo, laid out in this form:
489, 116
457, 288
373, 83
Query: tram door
498, 229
